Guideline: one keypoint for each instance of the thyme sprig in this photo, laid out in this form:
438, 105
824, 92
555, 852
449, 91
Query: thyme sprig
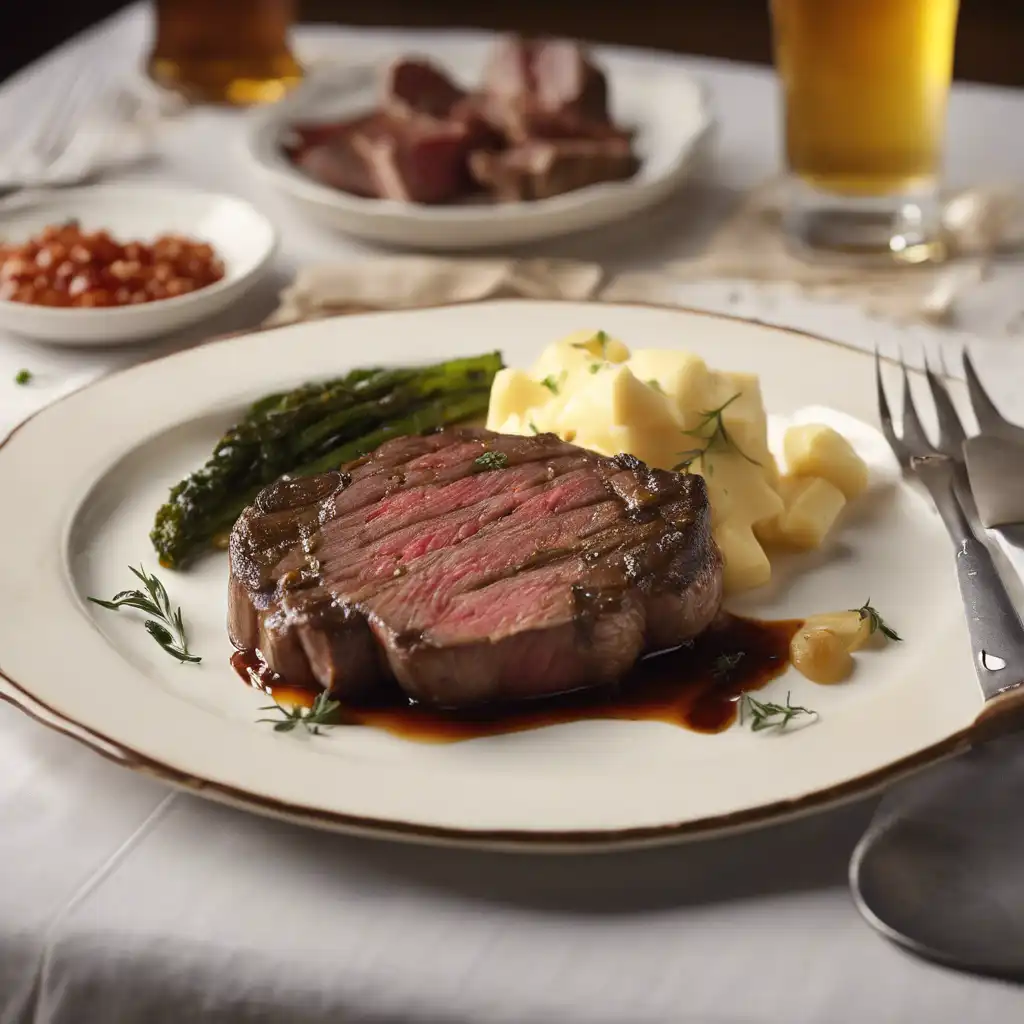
166, 626
311, 718
719, 438
768, 715
491, 460
553, 383
878, 624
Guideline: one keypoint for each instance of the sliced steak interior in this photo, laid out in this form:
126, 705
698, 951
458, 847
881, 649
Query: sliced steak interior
473, 567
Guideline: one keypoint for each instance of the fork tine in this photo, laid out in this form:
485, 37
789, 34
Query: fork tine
989, 418
885, 415
986, 413
914, 436
951, 430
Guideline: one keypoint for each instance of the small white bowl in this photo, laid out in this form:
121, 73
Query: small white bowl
243, 238
665, 106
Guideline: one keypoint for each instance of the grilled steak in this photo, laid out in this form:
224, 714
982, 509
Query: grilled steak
473, 566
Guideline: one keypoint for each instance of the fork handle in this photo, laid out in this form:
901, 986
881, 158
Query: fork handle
997, 635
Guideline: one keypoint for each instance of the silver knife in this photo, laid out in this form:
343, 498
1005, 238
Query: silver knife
995, 467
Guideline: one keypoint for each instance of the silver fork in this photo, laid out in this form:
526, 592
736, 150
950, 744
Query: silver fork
997, 635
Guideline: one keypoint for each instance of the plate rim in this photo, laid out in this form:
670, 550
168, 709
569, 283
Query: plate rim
993, 717
497, 840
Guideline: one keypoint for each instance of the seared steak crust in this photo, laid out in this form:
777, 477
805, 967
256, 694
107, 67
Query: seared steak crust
540, 569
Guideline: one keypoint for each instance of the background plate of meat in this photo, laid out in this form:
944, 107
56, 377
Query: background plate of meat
481, 145
74, 530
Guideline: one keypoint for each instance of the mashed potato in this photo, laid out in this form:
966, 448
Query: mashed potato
671, 410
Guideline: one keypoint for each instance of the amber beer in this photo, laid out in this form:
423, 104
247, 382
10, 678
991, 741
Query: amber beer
865, 85
225, 51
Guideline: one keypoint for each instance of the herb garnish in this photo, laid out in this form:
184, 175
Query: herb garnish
309, 718
718, 439
533, 427
766, 715
725, 663
596, 367
154, 602
601, 338
23, 377
553, 383
655, 386
491, 460
866, 611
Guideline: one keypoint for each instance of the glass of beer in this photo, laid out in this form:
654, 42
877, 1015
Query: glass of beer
225, 51
865, 85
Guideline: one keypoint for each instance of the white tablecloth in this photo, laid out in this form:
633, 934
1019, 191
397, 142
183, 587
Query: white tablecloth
123, 901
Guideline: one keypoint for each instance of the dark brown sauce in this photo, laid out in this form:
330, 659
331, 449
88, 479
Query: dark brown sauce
696, 686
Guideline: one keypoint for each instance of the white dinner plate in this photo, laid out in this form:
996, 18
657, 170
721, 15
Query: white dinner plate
83, 478
242, 237
665, 106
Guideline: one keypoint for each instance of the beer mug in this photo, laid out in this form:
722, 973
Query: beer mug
865, 85
225, 51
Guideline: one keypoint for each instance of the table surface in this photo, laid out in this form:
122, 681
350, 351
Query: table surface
121, 900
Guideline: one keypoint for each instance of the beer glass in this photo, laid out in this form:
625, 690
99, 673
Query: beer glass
865, 84
225, 51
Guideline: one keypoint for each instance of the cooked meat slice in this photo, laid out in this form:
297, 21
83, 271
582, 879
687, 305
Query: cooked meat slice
545, 168
553, 571
414, 85
326, 153
567, 81
417, 159
542, 86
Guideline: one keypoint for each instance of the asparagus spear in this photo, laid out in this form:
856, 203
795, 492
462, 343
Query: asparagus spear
310, 429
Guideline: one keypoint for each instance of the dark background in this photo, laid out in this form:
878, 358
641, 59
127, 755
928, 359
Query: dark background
990, 43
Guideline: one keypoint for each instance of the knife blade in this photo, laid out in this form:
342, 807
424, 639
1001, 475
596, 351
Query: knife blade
995, 467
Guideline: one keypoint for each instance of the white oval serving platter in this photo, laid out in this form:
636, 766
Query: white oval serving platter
83, 478
665, 106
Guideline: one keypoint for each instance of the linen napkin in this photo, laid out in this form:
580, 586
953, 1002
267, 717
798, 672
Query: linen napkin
112, 124
751, 245
408, 282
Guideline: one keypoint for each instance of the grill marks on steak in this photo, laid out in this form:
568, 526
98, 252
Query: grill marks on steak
467, 585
